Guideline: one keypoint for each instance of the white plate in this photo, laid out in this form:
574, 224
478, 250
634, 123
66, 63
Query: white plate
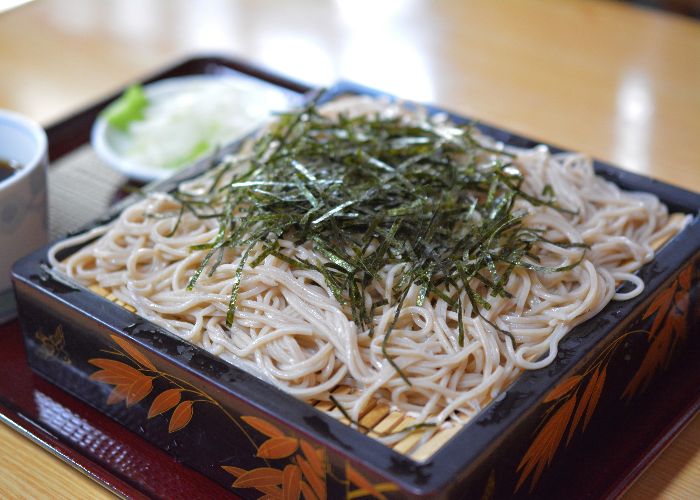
110, 143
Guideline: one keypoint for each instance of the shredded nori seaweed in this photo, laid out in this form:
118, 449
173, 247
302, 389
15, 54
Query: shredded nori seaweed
371, 190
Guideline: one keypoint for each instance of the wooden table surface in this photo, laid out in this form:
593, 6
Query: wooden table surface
616, 81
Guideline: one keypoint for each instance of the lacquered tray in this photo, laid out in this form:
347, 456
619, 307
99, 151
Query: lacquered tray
609, 466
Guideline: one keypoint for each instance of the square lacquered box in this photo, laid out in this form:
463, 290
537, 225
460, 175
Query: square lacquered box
252, 438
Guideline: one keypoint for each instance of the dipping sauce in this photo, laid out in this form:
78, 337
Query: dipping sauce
8, 168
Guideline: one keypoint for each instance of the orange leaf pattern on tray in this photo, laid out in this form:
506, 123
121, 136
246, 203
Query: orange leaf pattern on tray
117, 395
562, 389
263, 427
315, 462
133, 382
234, 471
660, 305
545, 445
582, 405
280, 447
291, 482
139, 389
181, 416
307, 492
134, 352
165, 401
318, 484
262, 476
130, 384
113, 378
668, 327
305, 472
120, 372
597, 391
573, 401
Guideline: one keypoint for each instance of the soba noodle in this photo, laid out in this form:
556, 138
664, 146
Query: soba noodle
290, 330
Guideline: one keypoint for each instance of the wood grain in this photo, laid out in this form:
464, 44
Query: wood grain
605, 78
675, 473
30, 472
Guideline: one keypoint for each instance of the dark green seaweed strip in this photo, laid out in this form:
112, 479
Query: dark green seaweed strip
372, 191
233, 301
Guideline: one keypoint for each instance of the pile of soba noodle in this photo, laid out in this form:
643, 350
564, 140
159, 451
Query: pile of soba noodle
290, 330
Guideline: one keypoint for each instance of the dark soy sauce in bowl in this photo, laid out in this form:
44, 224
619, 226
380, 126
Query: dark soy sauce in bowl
8, 168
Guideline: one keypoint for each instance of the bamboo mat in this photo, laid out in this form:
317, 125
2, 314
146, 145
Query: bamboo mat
81, 188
